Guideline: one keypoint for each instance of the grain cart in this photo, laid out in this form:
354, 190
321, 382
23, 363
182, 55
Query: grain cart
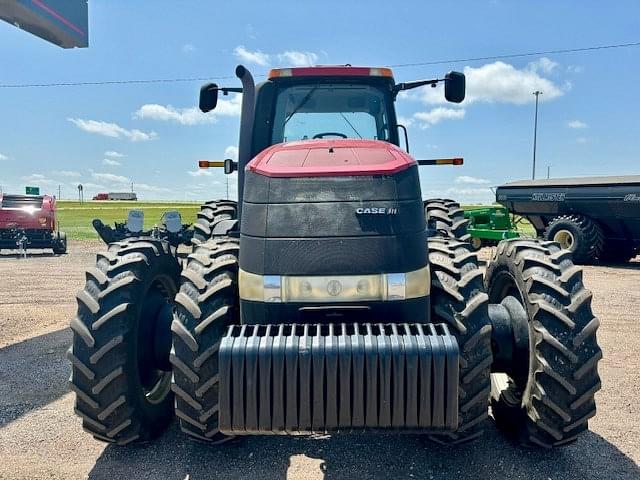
29, 221
597, 218
320, 303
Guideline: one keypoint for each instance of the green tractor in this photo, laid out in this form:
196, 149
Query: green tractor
488, 225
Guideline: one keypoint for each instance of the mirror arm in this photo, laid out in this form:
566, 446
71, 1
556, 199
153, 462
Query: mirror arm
226, 90
399, 87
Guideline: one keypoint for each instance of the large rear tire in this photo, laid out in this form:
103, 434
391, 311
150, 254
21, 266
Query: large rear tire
211, 213
206, 304
458, 299
579, 234
447, 218
121, 374
550, 400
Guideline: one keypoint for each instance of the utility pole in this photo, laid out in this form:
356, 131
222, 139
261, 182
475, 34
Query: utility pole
59, 195
548, 171
131, 187
537, 93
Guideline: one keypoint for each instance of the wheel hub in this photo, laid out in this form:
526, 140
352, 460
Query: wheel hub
510, 338
565, 238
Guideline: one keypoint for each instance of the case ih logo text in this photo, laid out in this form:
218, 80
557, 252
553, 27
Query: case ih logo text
632, 197
548, 197
376, 211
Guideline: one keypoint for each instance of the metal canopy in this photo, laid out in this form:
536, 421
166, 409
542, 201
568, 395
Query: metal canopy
62, 22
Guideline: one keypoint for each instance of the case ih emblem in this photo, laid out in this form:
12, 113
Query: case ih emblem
376, 211
632, 197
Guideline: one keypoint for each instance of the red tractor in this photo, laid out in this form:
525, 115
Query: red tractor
29, 221
331, 297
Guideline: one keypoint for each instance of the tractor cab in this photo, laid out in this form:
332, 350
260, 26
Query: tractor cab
321, 174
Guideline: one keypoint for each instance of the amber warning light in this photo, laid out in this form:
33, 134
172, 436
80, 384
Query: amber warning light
442, 161
208, 164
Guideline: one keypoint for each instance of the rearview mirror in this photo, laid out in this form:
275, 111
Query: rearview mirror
208, 97
454, 87
230, 166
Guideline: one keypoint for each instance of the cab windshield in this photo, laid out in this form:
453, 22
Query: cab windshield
305, 112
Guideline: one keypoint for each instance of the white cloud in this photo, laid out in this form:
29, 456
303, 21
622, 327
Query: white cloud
544, 65
111, 162
438, 114
200, 172
113, 154
471, 180
190, 115
288, 58
188, 48
258, 57
231, 152
111, 178
112, 130
576, 124
39, 179
95, 186
406, 121
582, 140
467, 194
69, 173
575, 69
34, 177
292, 58
150, 188
503, 83
3, 157
500, 82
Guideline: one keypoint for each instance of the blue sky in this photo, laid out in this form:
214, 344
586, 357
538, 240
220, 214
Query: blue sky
108, 136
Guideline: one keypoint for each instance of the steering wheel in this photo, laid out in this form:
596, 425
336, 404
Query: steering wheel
327, 134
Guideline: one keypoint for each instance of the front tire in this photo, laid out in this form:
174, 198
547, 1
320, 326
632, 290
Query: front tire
120, 374
549, 401
206, 304
458, 299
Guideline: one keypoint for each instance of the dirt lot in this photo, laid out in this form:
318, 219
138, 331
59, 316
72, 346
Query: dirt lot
41, 438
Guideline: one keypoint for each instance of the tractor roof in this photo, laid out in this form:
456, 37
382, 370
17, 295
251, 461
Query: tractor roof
331, 71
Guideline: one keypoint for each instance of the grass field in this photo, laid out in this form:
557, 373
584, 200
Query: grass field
75, 218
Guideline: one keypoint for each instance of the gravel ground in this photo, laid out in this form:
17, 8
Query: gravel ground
40, 437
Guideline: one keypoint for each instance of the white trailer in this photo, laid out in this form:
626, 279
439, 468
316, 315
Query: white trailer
130, 196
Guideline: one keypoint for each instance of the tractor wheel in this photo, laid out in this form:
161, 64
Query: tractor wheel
121, 341
547, 397
580, 235
60, 244
447, 218
206, 304
476, 243
210, 214
458, 299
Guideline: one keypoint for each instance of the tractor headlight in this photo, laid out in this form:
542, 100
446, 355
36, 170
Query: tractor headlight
334, 288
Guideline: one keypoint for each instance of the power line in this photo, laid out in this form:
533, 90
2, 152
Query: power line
518, 55
398, 65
